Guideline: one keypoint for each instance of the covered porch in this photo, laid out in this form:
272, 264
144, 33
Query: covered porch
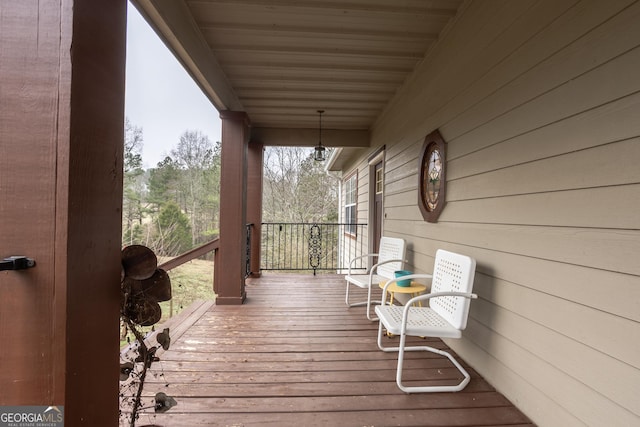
537, 102
295, 355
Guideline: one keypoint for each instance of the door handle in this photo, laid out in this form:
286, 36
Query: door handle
17, 263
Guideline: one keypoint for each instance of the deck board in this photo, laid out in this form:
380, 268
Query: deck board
295, 355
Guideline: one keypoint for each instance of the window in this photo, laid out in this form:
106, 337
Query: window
379, 180
350, 196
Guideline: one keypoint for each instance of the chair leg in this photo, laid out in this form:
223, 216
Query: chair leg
353, 304
373, 319
421, 389
366, 303
429, 389
346, 298
380, 346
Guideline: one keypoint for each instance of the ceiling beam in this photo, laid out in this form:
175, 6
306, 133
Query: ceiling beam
309, 137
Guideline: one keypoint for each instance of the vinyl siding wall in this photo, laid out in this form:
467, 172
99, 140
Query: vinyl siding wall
539, 102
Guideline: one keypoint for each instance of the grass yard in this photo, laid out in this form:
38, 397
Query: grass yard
189, 282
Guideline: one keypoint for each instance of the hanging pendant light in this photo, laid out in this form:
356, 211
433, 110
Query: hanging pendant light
319, 153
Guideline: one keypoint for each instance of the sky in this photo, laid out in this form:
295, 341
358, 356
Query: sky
161, 98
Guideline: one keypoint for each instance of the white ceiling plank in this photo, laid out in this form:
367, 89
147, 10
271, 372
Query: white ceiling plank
282, 60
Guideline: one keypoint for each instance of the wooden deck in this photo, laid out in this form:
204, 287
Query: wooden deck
295, 355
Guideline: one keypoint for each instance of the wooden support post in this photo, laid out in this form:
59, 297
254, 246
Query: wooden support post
61, 119
230, 268
254, 204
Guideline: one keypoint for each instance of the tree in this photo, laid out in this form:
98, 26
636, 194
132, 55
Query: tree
133, 184
133, 142
298, 190
198, 163
174, 231
318, 191
163, 184
296, 187
188, 180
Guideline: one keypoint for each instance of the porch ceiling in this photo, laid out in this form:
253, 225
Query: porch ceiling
282, 60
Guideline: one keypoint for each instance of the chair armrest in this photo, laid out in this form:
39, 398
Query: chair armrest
357, 258
374, 268
394, 280
439, 294
405, 312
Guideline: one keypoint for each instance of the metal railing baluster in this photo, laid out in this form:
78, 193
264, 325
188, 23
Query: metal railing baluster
311, 246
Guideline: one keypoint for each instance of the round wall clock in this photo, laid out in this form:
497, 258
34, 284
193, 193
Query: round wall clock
431, 197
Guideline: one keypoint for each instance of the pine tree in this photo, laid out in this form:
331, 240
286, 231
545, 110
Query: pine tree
174, 231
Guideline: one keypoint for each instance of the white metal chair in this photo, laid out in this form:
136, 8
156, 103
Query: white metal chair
390, 257
446, 316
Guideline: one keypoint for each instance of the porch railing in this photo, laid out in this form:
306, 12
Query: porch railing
311, 246
247, 264
192, 254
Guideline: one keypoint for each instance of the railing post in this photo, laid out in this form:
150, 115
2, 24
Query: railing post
255, 162
247, 269
233, 186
